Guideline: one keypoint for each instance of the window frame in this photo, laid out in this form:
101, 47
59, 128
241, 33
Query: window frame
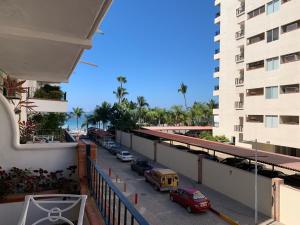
270, 93
272, 32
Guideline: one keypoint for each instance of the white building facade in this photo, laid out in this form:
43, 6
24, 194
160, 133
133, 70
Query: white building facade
259, 74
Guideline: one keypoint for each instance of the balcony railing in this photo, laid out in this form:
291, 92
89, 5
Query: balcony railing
238, 128
239, 58
216, 124
112, 204
217, 51
239, 81
240, 11
240, 34
216, 106
217, 33
216, 88
239, 105
217, 69
217, 14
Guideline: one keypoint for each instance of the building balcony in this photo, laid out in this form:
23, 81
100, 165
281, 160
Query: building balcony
239, 82
217, 18
52, 101
240, 11
216, 90
239, 58
239, 105
238, 128
217, 54
240, 34
217, 2
217, 36
217, 72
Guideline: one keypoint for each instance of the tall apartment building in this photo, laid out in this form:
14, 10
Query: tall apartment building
259, 74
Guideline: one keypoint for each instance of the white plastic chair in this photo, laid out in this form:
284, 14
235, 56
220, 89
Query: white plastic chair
52, 208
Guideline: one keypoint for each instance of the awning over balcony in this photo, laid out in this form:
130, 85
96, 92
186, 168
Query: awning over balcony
43, 40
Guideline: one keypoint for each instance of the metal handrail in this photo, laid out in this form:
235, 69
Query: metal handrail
239, 81
239, 58
239, 105
217, 69
240, 11
240, 34
110, 199
216, 87
238, 128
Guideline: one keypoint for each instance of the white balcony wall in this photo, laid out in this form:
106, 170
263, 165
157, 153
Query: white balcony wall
51, 157
283, 135
44, 105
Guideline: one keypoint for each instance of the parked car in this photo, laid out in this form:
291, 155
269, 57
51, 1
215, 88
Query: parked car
108, 144
206, 155
271, 173
191, 199
140, 166
162, 179
115, 149
124, 156
234, 161
181, 147
292, 180
250, 166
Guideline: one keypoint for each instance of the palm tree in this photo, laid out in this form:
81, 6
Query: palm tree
122, 80
141, 102
77, 112
120, 94
142, 107
183, 89
89, 119
178, 114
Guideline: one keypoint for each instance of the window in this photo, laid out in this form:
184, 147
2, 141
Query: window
291, 120
255, 65
273, 6
290, 57
285, 1
255, 91
256, 38
271, 121
271, 92
255, 118
256, 12
272, 64
287, 89
290, 27
273, 35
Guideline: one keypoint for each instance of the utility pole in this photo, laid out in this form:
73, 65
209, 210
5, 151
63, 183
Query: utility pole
255, 188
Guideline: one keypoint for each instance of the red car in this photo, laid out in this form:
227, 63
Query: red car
190, 198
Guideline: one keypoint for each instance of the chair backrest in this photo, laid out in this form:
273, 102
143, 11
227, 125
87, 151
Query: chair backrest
51, 209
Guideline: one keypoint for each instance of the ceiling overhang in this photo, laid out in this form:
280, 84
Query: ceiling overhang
44, 40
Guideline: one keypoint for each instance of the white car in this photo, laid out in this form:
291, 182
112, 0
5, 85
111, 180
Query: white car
125, 156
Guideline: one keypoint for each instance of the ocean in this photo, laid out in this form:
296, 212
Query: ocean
72, 122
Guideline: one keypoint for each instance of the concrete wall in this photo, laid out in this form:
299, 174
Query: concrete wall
143, 146
52, 157
118, 136
180, 161
289, 205
238, 185
126, 139
44, 105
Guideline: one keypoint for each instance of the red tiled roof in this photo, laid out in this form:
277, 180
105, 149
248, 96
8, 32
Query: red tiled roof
180, 128
284, 161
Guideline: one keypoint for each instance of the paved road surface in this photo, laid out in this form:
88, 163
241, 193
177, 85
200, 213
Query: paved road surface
159, 210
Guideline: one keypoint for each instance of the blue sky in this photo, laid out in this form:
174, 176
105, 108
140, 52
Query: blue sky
157, 45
